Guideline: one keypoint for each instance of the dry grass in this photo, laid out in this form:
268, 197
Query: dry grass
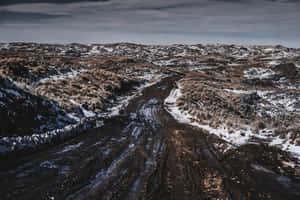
91, 89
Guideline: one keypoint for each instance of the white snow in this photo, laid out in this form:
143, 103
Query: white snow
261, 168
71, 147
88, 113
259, 73
280, 100
268, 50
286, 145
162, 62
95, 50
235, 91
273, 62
238, 137
234, 64
4, 46
136, 132
185, 117
9, 144
285, 101
103, 174
13, 92
74, 102
61, 76
73, 116
109, 49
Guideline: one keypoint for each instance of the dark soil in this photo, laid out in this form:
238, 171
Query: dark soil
145, 154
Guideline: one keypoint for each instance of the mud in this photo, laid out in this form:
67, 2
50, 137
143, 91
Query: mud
144, 153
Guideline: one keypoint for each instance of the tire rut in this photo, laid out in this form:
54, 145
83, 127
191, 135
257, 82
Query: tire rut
142, 154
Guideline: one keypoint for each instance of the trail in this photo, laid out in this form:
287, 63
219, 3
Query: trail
143, 153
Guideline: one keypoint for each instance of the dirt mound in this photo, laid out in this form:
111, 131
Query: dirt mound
22, 113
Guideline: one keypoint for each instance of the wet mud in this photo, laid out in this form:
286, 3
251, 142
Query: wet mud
144, 153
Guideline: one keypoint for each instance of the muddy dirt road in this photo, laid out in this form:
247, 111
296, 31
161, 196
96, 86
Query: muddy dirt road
143, 154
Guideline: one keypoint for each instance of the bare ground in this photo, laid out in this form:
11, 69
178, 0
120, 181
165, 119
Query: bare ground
146, 154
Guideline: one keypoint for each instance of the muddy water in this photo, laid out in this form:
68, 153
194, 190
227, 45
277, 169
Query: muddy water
141, 154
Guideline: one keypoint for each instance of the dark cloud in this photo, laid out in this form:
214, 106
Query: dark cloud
18, 17
10, 2
155, 21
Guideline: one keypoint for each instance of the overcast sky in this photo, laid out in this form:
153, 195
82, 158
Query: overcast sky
152, 21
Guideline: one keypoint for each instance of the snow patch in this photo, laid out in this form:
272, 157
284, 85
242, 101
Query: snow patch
48, 164
13, 92
71, 147
259, 73
184, 117
61, 76
237, 137
273, 63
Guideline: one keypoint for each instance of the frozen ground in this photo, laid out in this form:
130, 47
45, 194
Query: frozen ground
128, 121
89, 81
236, 137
